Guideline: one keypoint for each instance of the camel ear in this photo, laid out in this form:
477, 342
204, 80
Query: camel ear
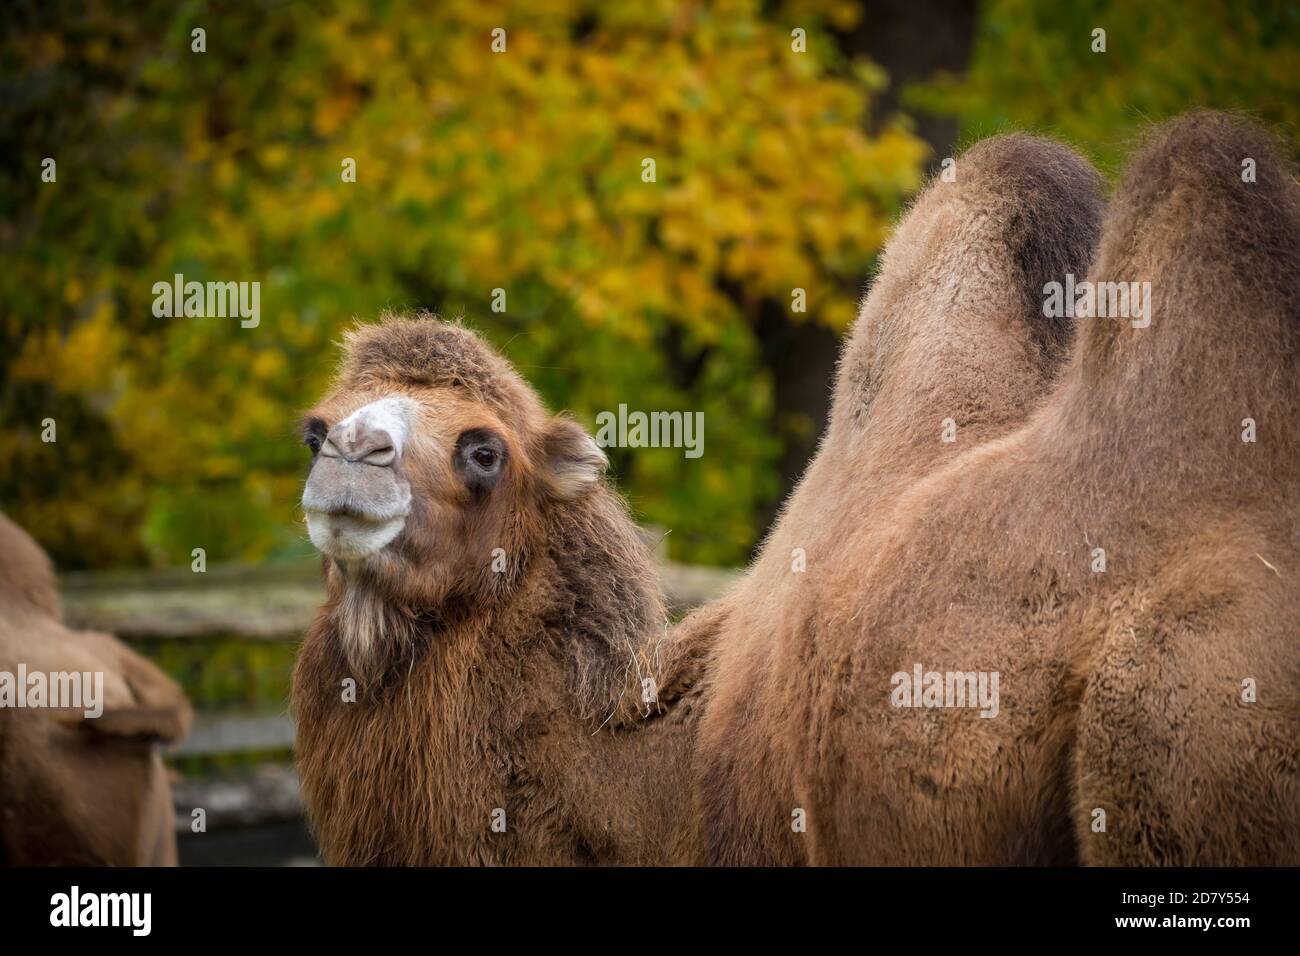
573, 462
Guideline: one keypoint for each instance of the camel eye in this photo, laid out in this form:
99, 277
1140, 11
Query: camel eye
313, 434
480, 457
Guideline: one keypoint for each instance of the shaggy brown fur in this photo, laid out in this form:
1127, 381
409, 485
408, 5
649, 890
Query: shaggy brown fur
78, 791
1121, 691
953, 329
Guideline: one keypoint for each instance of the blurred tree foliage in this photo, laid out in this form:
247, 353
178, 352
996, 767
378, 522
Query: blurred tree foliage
1034, 68
476, 170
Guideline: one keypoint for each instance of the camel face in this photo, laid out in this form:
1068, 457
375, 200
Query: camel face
409, 481
433, 469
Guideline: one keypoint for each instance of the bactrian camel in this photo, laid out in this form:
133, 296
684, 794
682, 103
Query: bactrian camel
1098, 513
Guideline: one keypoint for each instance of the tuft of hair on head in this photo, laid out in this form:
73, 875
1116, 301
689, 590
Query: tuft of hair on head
423, 349
572, 462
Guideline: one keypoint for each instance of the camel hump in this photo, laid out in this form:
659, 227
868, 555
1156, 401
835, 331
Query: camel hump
1019, 174
959, 291
1204, 236
26, 574
1044, 204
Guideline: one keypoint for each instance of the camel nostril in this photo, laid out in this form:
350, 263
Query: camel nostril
380, 456
355, 441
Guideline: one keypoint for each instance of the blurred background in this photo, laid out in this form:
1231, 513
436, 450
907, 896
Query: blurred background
787, 139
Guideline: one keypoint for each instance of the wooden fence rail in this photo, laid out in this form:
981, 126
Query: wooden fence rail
269, 603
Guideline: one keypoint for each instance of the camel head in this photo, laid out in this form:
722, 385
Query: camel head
432, 462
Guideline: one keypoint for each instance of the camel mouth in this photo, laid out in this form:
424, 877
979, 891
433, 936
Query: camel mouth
351, 535
350, 510
360, 515
354, 510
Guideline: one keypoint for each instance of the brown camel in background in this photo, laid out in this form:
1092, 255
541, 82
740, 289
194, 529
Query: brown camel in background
78, 790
